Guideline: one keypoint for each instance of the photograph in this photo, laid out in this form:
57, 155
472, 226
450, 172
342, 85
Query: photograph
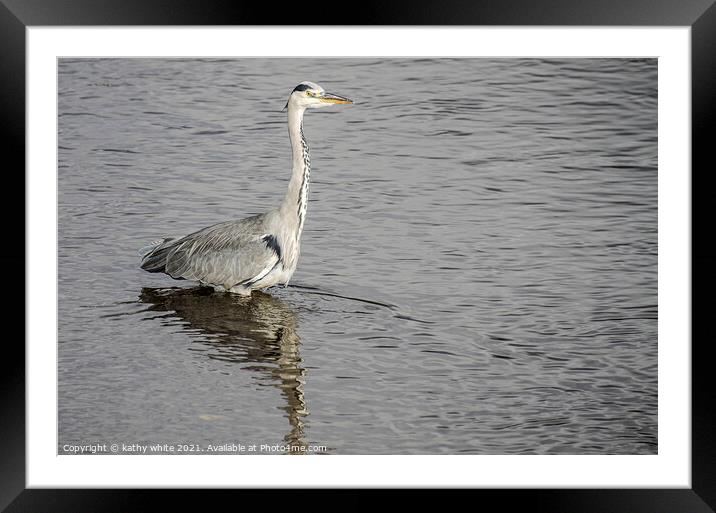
357, 256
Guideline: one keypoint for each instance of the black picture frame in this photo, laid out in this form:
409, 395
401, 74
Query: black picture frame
700, 15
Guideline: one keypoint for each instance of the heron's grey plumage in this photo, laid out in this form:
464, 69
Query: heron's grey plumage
227, 254
255, 252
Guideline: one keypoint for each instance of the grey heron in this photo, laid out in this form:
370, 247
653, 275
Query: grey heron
259, 251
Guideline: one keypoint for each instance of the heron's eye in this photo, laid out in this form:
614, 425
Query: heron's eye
310, 93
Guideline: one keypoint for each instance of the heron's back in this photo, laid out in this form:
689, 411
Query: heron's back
226, 254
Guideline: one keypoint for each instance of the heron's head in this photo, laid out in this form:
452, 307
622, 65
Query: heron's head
308, 95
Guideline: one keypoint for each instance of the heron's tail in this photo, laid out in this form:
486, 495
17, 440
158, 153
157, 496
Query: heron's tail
154, 255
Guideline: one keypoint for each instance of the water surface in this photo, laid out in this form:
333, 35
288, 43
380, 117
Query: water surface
478, 270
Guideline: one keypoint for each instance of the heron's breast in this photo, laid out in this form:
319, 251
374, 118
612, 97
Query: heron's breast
290, 258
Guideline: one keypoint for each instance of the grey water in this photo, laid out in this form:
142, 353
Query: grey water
478, 271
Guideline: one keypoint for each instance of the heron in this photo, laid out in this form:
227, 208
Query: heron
256, 252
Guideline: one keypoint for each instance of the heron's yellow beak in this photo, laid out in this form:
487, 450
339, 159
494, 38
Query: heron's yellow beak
334, 98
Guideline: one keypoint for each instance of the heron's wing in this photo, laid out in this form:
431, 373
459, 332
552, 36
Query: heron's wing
232, 253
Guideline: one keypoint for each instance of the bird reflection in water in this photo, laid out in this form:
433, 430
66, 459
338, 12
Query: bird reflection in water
258, 331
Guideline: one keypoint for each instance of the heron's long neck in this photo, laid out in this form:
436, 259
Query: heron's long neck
296, 200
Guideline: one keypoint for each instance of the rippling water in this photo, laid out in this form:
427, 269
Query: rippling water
479, 265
